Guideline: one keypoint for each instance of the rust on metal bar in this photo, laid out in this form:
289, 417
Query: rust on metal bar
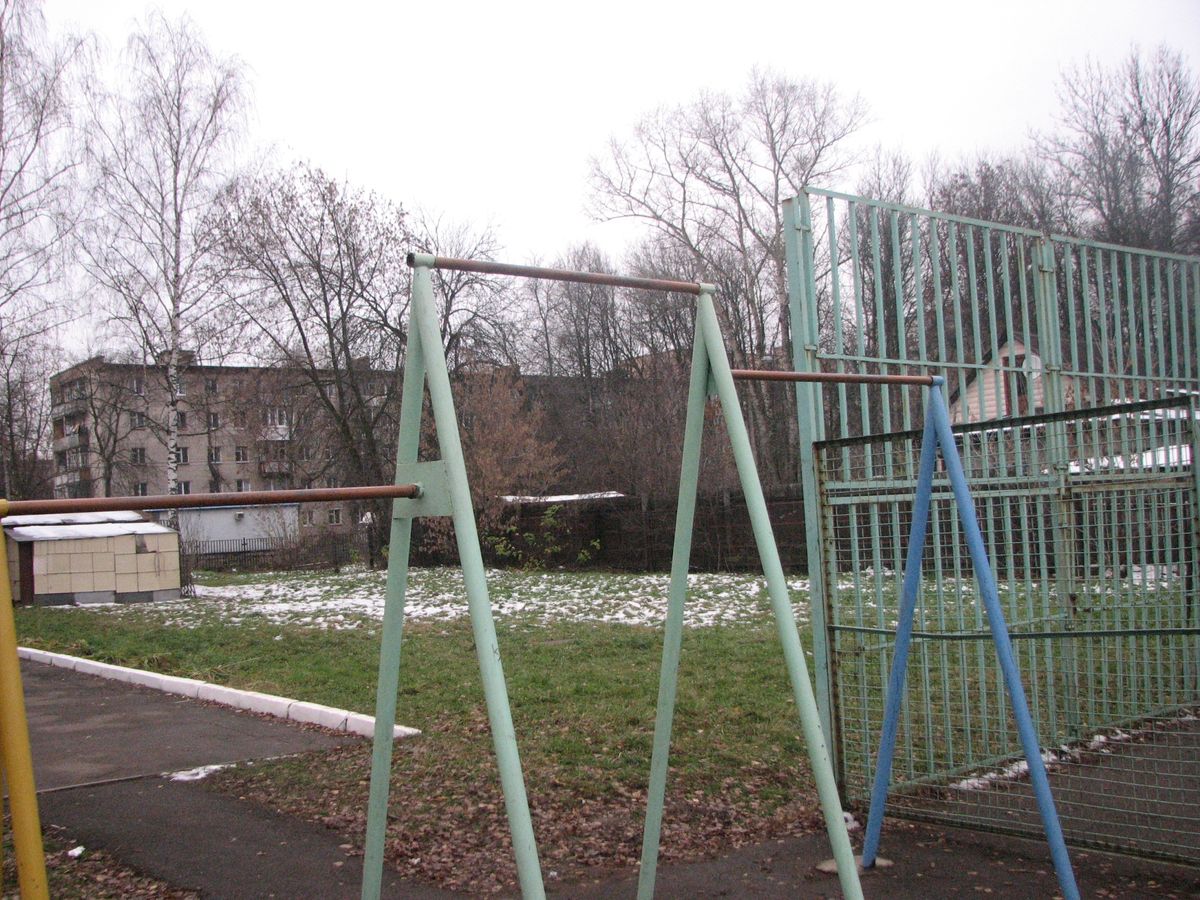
195, 501
495, 268
830, 377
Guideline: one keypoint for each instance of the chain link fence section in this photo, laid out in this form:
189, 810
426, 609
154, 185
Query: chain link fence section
1091, 524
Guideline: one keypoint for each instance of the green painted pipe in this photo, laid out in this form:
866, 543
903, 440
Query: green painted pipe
487, 649
673, 634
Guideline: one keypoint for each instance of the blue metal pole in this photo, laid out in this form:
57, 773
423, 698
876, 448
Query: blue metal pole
1008, 663
908, 605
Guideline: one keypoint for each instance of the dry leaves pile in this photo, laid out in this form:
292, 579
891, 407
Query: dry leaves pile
447, 823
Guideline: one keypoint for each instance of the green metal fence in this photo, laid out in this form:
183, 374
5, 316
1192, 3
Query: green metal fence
1072, 371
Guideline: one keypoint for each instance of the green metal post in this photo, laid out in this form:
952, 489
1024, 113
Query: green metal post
785, 619
471, 558
673, 633
797, 229
411, 402
426, 362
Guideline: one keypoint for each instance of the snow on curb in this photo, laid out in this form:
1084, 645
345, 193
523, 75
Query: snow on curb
282, 707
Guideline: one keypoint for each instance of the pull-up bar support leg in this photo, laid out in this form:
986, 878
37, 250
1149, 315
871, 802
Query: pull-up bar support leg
391, 633
709, 359
939, 435
785, 618
689, 479
426, 364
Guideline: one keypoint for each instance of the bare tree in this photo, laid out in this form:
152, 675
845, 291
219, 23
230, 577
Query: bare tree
710, 177
25, 418
37, 167
320, 275
158, 150
37, 162
476, 313
1128, 145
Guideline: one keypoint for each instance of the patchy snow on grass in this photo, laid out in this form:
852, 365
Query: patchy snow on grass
197, 774
355, 599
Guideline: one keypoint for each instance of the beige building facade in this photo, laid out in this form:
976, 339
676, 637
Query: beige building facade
240, 428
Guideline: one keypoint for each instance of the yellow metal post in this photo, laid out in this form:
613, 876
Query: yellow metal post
14, 747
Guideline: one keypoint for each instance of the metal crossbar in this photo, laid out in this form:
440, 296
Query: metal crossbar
488, 267
200, 501
830, 377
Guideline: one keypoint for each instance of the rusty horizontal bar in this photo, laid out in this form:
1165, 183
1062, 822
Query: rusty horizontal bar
494, 268
831, 377
196, 501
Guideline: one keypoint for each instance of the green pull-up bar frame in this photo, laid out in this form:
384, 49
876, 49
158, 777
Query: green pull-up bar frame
445, 492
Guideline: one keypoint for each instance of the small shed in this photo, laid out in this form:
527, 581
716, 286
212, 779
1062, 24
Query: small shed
82, 558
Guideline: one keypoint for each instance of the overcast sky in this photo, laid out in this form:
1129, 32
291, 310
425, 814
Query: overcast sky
491, 111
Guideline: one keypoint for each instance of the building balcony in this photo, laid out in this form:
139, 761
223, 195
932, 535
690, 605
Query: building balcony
72, 476
269, 467
80, 437
68, 405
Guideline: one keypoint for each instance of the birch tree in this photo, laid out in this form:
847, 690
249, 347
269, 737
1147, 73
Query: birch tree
159, 152
37, 169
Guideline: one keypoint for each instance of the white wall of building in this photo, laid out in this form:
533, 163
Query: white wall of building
228, 523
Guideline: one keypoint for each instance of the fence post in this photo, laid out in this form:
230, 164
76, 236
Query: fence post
798, 246
1050, 348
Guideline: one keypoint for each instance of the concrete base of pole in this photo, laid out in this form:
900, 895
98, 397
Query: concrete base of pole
829, 866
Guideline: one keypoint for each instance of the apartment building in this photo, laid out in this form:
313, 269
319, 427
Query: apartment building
241, 428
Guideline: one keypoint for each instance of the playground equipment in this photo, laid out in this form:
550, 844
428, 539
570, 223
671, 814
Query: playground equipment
440, 488
937, 435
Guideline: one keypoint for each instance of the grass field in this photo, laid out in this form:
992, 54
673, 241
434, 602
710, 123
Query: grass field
581, 653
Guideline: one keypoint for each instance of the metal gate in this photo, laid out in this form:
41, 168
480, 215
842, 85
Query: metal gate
1072, 371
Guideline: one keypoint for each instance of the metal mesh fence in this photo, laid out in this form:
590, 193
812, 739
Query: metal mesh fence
1090, 521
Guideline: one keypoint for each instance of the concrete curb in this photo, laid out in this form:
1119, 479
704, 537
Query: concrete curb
282, 707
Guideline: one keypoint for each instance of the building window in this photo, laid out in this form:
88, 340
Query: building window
243, 485
240, 454
181, 456
214, 454
310, 517
182, 487
210, 385
329, 453
181, 418
335, 516
331, 482
182, 387
214, 486
141, 489
239, 419
137, 384
305, 453
137, 456
137, 420
275, 415
214, 421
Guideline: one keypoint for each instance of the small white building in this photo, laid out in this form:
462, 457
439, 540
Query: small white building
235, 523
1009, 384
82, 558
